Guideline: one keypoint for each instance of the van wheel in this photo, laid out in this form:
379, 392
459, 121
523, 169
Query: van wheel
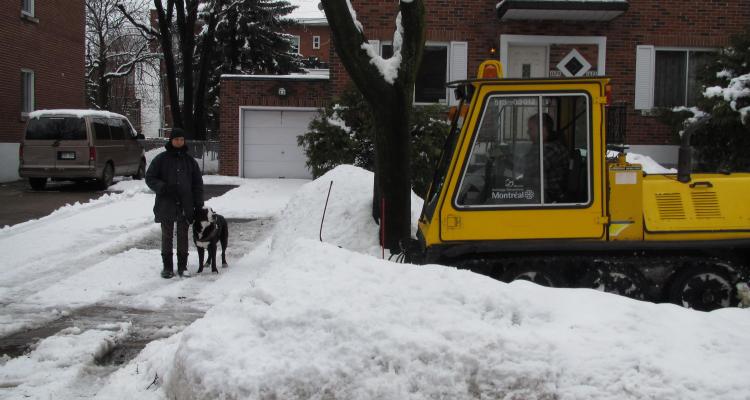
141, 170
38, 183
108, 175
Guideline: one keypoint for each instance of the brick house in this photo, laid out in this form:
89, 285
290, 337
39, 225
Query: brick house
42, 43
649, 49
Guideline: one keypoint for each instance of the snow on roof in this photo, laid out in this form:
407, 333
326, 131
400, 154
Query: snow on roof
307, 11
318, 75
80, 113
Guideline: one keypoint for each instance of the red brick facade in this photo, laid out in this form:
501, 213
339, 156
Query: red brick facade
237, 92
306, 34
52, 45
659, 23
669, 23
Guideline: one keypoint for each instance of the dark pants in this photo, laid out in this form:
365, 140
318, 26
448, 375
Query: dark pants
167, 233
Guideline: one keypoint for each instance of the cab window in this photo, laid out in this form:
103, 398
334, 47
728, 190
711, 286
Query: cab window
529, 151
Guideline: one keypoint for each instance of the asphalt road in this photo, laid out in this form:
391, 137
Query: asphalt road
18, 203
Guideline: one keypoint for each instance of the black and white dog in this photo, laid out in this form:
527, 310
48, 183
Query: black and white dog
210, 228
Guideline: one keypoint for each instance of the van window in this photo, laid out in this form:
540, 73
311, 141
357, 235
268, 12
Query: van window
116, 129
56, 128
101, 129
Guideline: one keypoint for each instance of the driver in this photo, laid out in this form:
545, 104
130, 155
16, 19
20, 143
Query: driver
555, 156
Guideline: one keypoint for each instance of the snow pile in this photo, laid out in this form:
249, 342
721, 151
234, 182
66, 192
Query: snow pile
737, 89
348, 219
326, 322
59, 360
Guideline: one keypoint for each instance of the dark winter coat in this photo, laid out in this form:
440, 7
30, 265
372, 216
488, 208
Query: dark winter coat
176, 179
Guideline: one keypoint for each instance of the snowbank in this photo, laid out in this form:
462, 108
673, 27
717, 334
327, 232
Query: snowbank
327, 322
348, 219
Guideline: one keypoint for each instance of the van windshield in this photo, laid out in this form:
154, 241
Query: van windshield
56, 128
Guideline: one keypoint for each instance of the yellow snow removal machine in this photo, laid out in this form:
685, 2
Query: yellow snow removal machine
530, 185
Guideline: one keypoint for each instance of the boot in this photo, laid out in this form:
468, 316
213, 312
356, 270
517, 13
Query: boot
168, 270
182, 265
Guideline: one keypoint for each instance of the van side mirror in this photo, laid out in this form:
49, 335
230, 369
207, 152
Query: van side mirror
140, 136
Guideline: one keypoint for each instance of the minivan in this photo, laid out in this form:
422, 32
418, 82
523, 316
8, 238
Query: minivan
80, 145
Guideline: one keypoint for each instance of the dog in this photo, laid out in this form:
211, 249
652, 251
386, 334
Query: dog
209, 229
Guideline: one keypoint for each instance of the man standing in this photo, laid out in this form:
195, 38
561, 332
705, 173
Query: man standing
176, 179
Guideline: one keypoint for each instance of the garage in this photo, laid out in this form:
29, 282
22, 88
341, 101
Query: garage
269, 142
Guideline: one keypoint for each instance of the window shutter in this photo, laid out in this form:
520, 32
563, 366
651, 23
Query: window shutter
644, 77
376, 45
459, 55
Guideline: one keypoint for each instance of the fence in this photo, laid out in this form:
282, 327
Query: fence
205, 152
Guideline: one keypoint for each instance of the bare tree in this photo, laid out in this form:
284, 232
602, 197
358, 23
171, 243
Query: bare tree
388, 88
190, 26
114, 48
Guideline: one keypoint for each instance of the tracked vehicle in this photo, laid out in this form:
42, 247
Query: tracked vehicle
529, 187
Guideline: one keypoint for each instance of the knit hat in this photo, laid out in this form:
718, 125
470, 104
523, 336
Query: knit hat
176, 133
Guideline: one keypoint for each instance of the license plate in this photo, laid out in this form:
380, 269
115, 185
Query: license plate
67, 155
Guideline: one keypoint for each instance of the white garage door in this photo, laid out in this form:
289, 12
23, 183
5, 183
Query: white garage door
270, 143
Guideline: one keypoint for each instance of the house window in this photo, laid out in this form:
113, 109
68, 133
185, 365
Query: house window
27, 91
294, 48
675, 73
27, 7
667, 77
432, 74
316, 42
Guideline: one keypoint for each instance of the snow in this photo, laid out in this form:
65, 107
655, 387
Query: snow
647, 163
297, 318
75, 113
738, 88
388, 67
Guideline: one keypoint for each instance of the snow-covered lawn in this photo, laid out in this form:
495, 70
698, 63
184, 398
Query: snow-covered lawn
296, 318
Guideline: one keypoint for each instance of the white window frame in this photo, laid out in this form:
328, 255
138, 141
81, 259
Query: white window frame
27, 93
542, 203
27, 7
540, 40
299, 44
455, 64
316, 42
645, 74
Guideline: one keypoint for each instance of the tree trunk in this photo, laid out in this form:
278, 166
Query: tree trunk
200, 90
186, 17
165, 37
391, 104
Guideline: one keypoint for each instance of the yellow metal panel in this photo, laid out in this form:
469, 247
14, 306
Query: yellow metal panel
525, 223
625, 202
709, 202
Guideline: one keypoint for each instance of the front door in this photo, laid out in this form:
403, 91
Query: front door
527, 62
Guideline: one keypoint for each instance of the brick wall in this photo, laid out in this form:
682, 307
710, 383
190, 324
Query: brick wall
246, 91
306, 33
52, 46
661, 23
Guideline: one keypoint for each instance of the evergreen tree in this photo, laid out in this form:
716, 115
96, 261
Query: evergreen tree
721, 119
342, 133
248, 39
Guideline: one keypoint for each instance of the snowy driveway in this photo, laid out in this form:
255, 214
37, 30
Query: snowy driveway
96, 266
